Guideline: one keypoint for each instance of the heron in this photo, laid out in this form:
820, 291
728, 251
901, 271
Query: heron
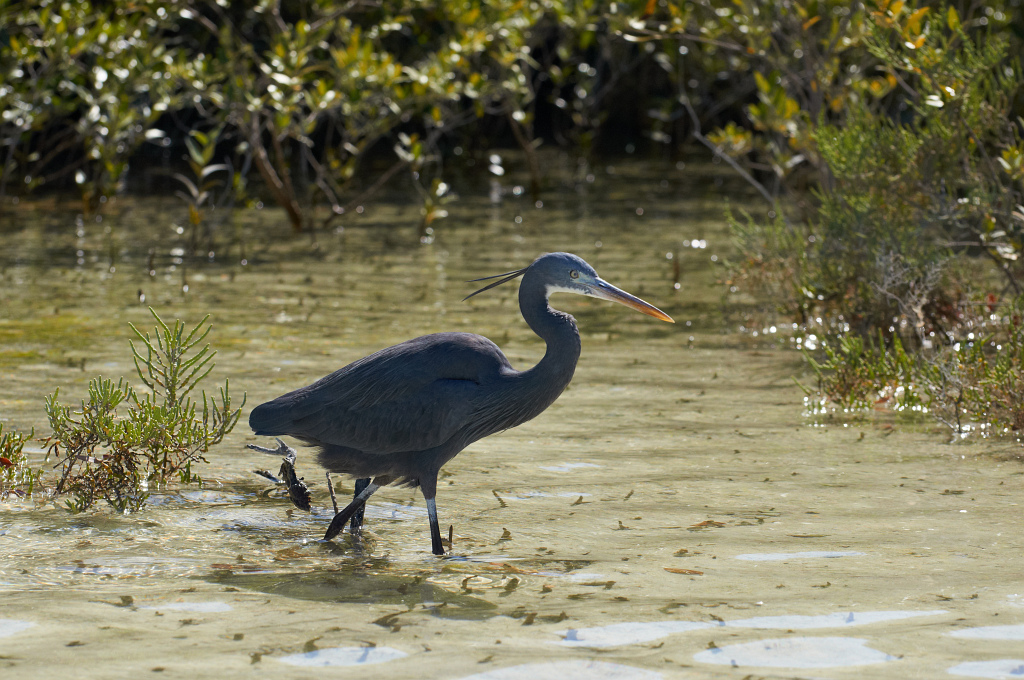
398, 415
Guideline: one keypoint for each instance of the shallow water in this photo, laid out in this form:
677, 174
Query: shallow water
672, 515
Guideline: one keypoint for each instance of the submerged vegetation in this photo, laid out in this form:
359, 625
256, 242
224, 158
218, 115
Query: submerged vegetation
885, 137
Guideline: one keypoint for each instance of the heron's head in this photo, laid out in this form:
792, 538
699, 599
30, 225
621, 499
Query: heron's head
568, 273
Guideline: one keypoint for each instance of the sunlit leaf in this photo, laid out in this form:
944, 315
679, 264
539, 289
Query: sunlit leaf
210, 169
790, 108
914, 20
762, 83
194, 152
953, 19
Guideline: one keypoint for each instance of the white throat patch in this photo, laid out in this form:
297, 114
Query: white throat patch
551, 288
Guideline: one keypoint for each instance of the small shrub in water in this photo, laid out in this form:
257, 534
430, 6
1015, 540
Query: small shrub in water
16, 475
916, 235
995, 374
975, 385
857, 375
120, 458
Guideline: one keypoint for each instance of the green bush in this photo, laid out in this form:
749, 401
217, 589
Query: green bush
915, 236
858, 375
906, 190
301, 92
16, 475
972, 386
121, 457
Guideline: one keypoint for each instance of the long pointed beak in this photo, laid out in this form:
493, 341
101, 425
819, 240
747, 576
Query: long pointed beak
606, 291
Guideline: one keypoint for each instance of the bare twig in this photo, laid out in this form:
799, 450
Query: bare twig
529, 149
323, 178
648, 34
374, 188
334, 498
282, 193
724, 156
337, 13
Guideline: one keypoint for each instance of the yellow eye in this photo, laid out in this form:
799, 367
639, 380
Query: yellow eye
573, 274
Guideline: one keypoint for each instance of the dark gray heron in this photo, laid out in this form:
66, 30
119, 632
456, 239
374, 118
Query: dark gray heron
398, 415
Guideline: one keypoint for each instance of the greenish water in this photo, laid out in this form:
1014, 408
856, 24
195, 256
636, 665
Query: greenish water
672, 515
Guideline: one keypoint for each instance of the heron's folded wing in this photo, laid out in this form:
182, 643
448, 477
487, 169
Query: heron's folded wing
414, 421
410, 397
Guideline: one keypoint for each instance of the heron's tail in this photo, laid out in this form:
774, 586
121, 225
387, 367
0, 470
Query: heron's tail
271, 418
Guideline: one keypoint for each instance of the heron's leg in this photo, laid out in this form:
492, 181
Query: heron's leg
435, 531
357, 518
429, 488
342, 518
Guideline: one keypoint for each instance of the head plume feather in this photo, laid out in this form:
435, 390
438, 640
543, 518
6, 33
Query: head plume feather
502, 278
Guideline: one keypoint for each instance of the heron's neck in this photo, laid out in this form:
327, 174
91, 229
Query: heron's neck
558, 330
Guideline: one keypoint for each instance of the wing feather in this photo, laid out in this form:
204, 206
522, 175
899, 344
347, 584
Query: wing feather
409, 397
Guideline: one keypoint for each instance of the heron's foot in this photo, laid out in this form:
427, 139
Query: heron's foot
298, 492
269, 475
281, 450
438, 544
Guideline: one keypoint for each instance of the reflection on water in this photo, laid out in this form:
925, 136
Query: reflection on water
672, 501
343, 656
806, 555
392, 511
13, 626
1013, 632
144, 567
566, 467
626, 633
796, 652
525, 495
206, 496
568, 670
999, 669
198, 607
631, 633
415, 593
837, 619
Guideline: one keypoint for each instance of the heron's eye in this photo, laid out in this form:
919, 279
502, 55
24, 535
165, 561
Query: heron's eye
573, 274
